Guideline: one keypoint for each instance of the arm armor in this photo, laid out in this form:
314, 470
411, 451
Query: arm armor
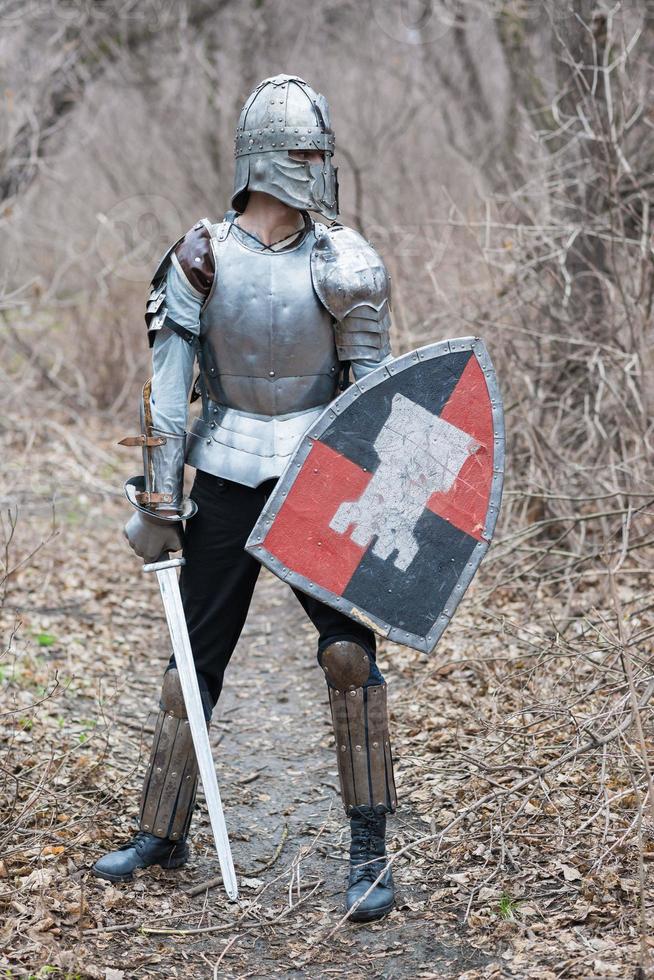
352, 283
162, 484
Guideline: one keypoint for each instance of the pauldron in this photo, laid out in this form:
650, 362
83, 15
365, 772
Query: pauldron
193, 257
352, 283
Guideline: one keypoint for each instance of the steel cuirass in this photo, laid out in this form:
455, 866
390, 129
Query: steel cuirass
268, 342
269, 360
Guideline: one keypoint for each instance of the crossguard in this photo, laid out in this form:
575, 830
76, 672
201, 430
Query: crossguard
163, 561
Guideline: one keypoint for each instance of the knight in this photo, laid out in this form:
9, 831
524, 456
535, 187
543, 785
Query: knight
278, 310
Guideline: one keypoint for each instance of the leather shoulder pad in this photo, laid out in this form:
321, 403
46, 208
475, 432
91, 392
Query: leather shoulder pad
347, 272
193, 257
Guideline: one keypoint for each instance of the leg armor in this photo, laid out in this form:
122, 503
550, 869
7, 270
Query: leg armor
171, 777
360, 719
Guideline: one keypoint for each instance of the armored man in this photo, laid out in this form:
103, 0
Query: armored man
278, 309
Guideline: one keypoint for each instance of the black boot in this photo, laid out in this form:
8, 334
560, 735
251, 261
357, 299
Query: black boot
142, 851
367, 860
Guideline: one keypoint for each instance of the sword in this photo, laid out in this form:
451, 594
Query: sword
165, 568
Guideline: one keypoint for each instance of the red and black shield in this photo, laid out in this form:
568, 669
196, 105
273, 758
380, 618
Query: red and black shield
389, 503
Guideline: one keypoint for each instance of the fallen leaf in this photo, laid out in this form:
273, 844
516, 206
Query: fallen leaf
570, 873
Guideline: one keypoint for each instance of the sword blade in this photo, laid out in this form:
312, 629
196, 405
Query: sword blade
172, 603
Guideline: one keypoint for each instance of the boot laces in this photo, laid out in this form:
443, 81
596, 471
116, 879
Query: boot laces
368, 843
137, 841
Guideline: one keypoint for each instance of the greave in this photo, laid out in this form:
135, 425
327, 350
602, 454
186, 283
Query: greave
363, 749
171, 778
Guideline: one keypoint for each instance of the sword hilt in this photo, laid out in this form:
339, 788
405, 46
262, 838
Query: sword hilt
163, 561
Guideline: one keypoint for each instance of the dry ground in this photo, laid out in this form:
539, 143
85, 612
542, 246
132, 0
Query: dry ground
495, 877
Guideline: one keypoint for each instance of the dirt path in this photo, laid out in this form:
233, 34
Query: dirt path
97, 626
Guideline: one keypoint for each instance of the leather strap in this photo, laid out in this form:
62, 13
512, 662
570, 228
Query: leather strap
182, 332
143, 440
146, 497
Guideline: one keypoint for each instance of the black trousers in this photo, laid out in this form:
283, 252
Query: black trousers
219, 576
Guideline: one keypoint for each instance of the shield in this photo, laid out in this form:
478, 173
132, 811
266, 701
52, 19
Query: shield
390, 501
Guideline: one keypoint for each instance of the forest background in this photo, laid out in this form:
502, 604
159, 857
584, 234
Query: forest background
500, 156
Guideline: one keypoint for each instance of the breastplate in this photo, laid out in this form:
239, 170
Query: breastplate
268, 343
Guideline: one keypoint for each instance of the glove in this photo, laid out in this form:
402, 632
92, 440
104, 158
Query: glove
150, 536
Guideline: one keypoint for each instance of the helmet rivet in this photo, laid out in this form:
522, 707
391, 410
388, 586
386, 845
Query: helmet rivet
302, 138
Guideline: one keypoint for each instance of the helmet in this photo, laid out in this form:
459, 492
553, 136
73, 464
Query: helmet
284, 113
